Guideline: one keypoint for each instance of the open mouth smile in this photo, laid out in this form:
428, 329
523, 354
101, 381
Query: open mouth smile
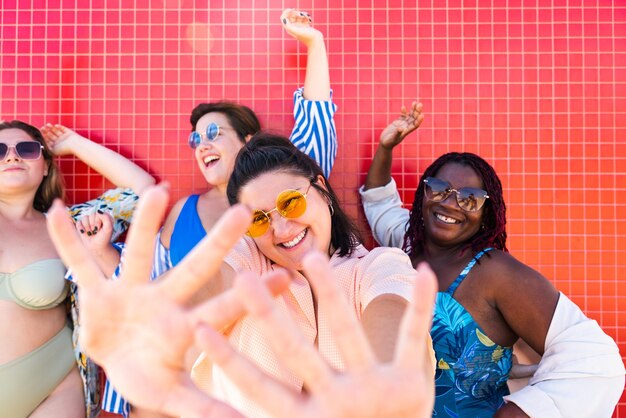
295, 241
446, 219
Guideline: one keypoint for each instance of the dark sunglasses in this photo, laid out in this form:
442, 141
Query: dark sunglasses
470, 199
290, 204
211, 134
26, 150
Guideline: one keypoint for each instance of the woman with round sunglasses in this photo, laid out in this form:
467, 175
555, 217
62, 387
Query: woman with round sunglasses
219, 131
38, 363
487, 299
143, 345
295, 212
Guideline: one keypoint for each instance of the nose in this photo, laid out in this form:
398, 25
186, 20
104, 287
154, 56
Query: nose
280, 226
12, 154
203, 146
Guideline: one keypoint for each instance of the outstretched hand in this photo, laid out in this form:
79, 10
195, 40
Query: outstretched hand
367, 388
407, 122
140, 331
299, 25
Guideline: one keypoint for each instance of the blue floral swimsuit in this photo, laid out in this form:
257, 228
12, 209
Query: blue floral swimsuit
472, 370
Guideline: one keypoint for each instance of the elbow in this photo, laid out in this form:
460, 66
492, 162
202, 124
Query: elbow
145, 182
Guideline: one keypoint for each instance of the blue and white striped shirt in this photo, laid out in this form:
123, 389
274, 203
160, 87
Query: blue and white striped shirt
315, 134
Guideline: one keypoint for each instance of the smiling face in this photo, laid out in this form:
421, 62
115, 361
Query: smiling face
217, 159
17, 174
445, 223
288, 240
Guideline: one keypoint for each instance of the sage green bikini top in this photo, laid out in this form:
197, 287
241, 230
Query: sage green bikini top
36, 286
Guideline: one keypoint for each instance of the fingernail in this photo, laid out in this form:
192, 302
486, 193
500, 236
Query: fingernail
100, 211
89, 233
82, 231
95, 229
284, 21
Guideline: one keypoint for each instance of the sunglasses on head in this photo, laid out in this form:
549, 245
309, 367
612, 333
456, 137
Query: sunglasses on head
290, 204
26, 150
470, 199
196, 139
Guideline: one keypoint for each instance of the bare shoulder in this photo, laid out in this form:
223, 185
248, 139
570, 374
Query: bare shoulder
525, 299
512, 278
509, 267
506, 274
170, 221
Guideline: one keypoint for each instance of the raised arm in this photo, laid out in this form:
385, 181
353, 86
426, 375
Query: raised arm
317, 79
381, 202
379, 173
114, 167
314, 132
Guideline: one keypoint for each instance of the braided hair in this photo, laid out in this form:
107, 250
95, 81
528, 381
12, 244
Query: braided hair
493, 231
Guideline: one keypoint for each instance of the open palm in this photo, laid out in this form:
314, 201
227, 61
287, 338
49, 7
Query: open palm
367, 388
407, 122
140, 331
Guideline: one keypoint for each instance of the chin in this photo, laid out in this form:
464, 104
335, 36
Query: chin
288, 262
292, 264
214, 179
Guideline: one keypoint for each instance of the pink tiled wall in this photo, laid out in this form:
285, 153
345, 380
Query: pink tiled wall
537, 87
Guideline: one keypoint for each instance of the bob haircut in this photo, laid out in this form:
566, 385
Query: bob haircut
268, 153
51, 186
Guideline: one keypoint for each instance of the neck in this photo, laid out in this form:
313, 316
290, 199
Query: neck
436, 252
221, 188
17, 207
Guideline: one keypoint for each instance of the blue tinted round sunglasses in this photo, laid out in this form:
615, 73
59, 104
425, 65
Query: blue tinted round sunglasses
196, 139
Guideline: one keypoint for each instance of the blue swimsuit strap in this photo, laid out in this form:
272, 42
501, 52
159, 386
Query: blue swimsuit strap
466, 270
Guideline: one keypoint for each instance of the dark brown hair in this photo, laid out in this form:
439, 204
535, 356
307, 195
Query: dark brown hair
268, 152
241, 118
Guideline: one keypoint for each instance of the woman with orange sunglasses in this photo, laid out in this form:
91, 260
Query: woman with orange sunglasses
219, 131
326, 346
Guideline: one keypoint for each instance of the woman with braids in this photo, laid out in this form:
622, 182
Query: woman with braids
488, 299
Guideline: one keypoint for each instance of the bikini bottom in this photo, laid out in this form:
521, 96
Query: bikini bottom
28, 380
